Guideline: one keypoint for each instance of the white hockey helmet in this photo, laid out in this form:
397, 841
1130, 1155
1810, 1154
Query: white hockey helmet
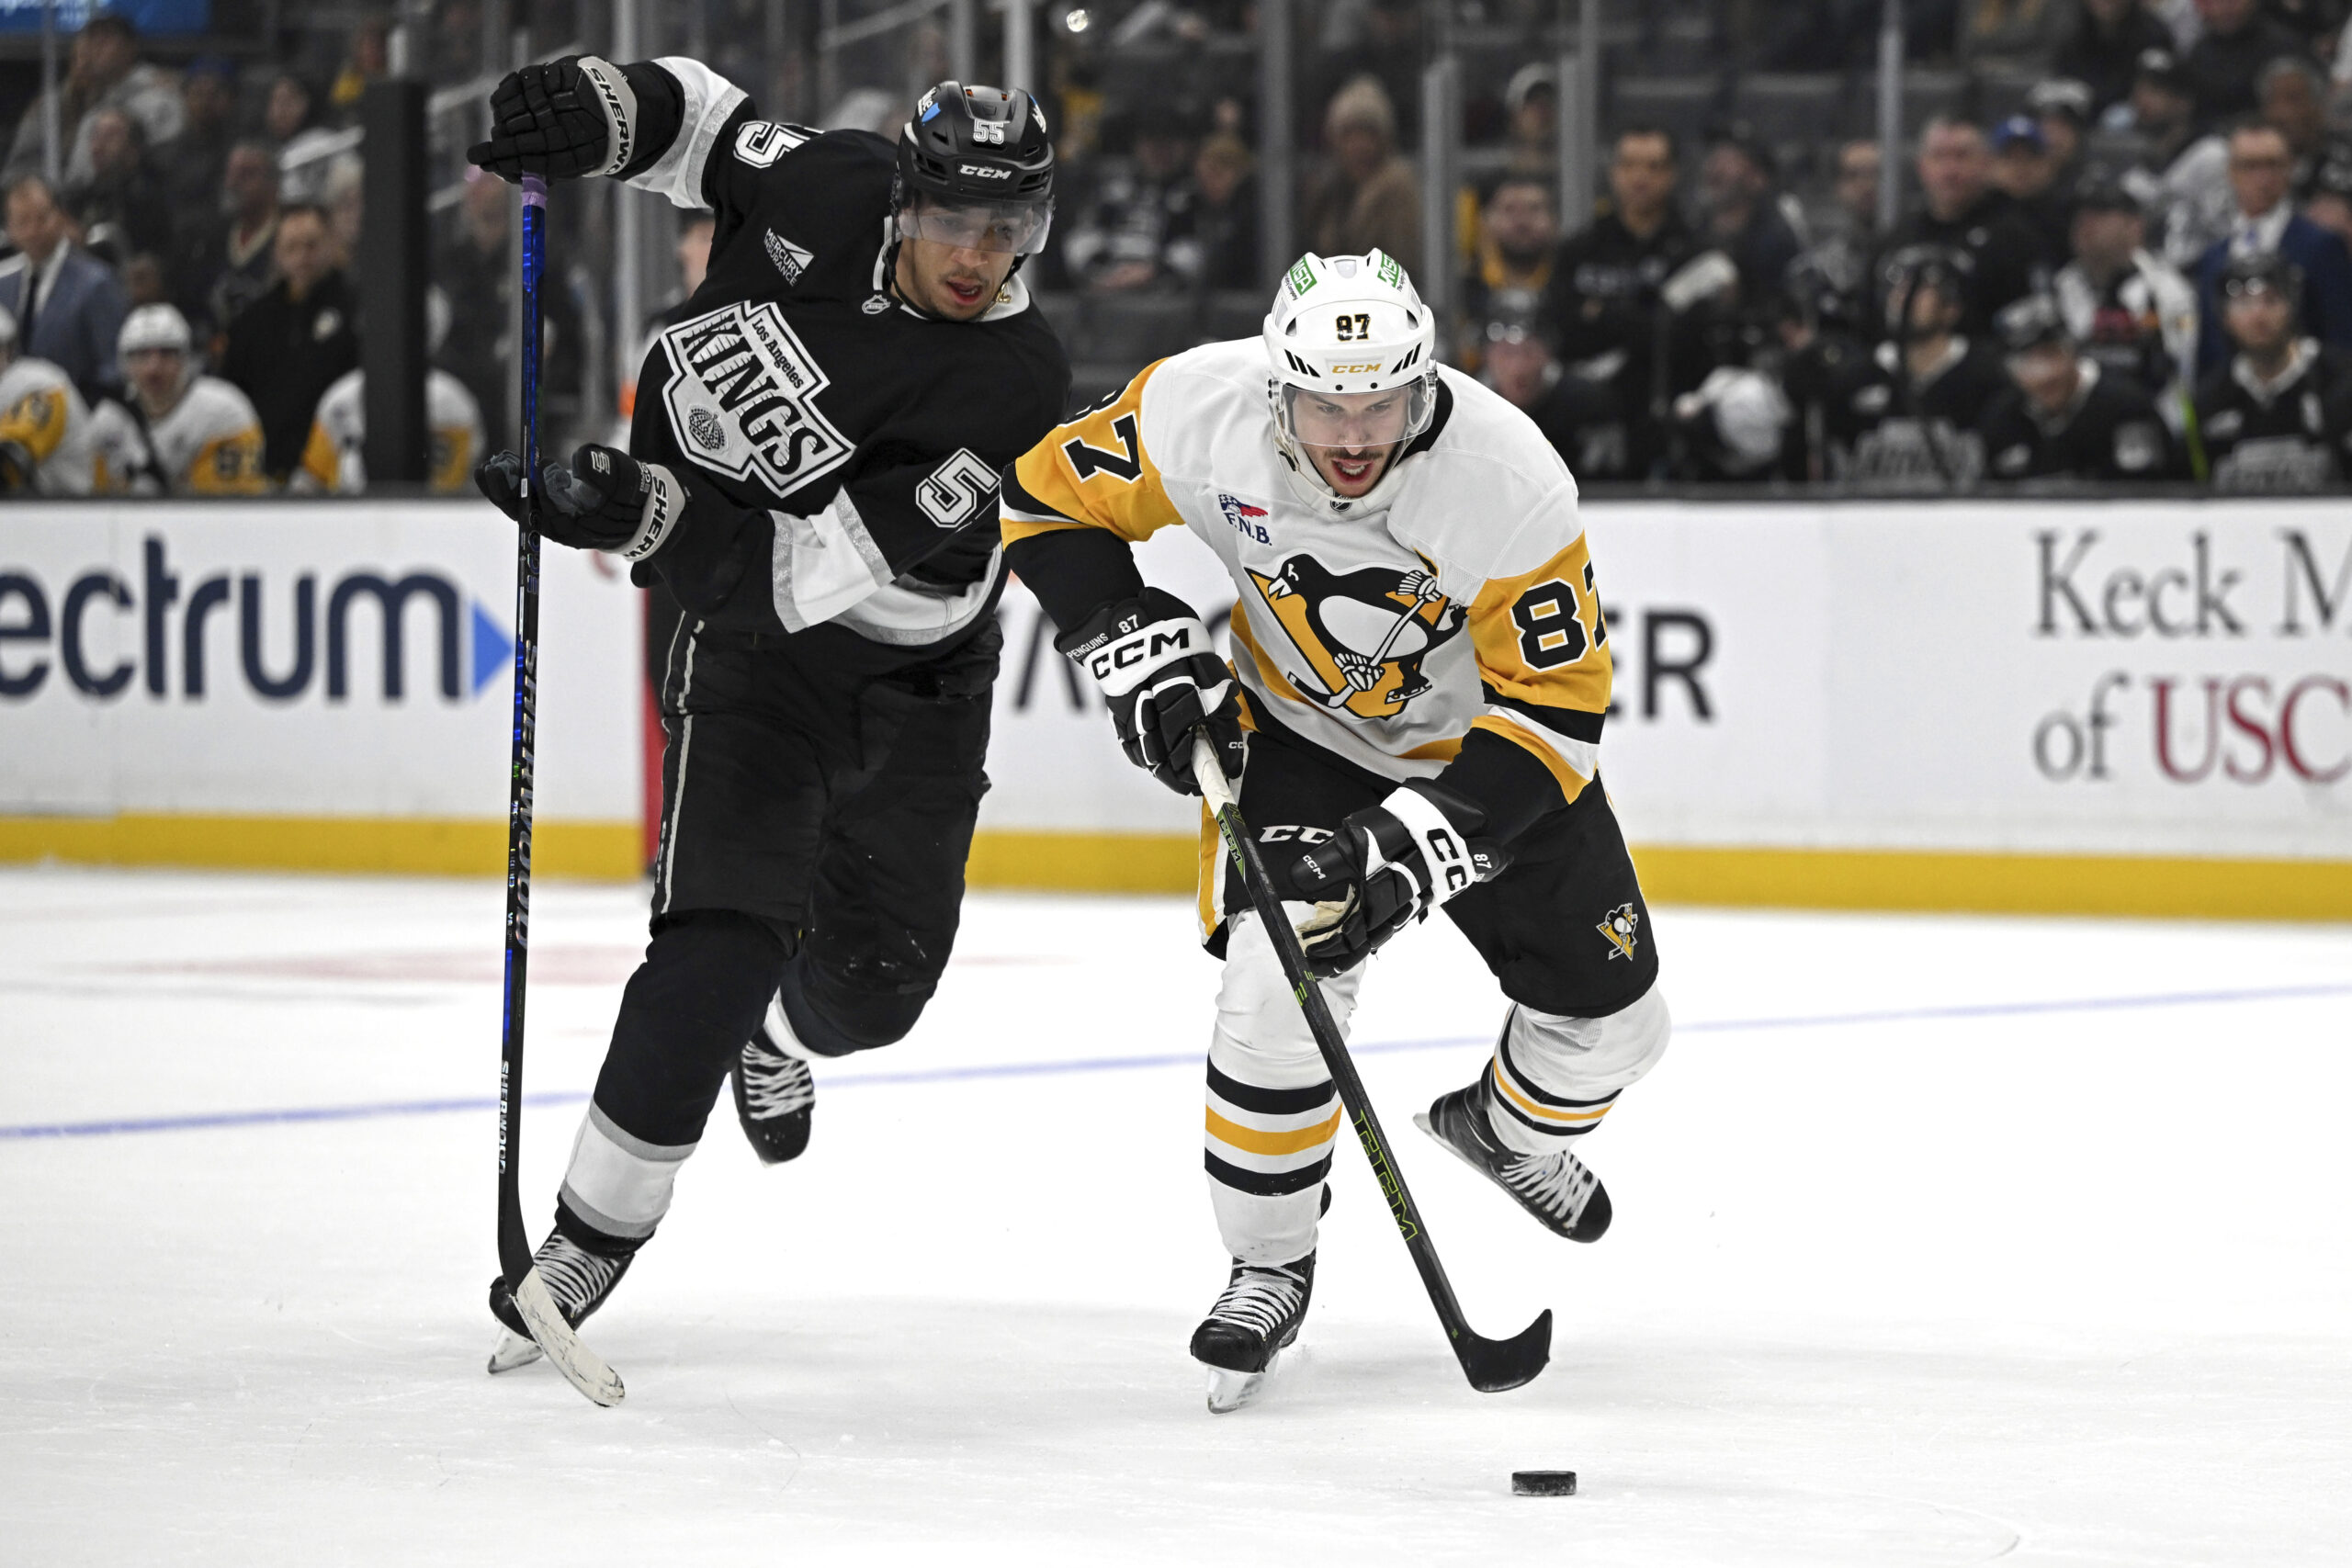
153, 327
1347, 326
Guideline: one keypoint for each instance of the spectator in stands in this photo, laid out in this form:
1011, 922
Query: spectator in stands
2182, 179
1120, 241
2273, 417
2236, 43
1212, 234
106, 72
1606, 295
121, 207
1580, 417
291, 119
368, 59
2026, 170
1367, 199
2104, 49
191, 165
1961, 208
2266, 221
1741, 213
2063, 417
1518, 234
1531, 107
68, 304
2330, 202
2062, 107
1831, 280
2293, 93
144, 281
1905, 416
225, 266
289, 345
2130, 312
2014, 29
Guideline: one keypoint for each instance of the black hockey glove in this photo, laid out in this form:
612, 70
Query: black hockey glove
1153, 659
571, 117
1390, 866
606, 500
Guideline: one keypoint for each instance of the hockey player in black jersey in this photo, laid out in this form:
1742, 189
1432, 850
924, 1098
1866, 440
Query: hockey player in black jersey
812, 473
2274, 419
1903, 417
2067, 417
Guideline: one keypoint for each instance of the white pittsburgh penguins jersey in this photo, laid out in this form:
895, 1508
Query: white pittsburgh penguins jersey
209, 444
1465, 600
41, 413
334, 458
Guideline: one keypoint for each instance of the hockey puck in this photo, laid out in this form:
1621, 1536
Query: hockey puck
1544, 1483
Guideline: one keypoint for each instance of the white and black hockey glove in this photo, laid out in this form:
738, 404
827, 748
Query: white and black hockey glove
571, 117
1390, 866
605, 499
1153, 659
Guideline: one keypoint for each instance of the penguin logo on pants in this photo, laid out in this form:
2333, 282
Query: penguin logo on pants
1362, 634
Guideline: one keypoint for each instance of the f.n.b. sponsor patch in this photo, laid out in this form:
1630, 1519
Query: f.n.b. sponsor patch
742, 399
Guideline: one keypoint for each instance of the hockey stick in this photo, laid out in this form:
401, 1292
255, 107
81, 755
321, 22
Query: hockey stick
1491, 1365
580, 1366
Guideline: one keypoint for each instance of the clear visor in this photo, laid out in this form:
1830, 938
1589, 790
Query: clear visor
1357, 421
1012, 228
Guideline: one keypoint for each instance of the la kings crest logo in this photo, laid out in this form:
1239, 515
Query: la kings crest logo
742, 399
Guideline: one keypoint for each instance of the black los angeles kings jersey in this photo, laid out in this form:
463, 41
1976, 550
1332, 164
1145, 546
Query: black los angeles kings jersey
840, 451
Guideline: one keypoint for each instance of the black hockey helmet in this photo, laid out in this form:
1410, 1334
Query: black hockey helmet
2031, 322
1947, 270
977, 148
2263, 272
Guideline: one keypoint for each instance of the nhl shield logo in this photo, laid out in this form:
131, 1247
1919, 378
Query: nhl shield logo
1621, 926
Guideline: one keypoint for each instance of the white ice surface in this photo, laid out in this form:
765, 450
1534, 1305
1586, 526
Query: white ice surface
2064, 1286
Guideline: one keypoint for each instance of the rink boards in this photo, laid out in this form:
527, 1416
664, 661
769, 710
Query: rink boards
2100, 706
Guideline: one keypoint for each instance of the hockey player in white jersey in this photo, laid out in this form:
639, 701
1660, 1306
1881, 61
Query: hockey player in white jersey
176, 432
44, 424
1420, 664
335, 458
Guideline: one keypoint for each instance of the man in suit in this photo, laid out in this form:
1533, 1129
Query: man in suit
2261, 166
68, 304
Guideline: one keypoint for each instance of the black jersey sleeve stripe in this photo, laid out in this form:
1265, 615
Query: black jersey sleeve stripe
1577, 724
1266, 1184
1026, 507
1269, 1101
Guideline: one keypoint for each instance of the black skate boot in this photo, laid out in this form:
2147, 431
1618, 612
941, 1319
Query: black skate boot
775, 1094
578, 1278
1253, 1322
1566, 1199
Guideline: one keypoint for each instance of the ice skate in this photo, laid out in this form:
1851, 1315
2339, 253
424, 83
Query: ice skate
1566, 1197
577, 1280
1248, 1328
775, 1094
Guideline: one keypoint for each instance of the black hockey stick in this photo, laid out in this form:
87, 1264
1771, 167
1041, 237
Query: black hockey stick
583, 1367
1491, 1365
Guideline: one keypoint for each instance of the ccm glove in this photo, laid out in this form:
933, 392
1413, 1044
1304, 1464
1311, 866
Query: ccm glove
1152, 658
571, 117
1390, 866
605, 499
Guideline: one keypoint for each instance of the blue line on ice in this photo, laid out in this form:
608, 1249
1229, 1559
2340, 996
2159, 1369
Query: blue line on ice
1180, 1059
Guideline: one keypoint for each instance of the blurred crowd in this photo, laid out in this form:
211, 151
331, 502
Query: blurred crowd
2120, 254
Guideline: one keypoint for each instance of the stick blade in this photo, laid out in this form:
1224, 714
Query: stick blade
582, 1368
1494, 1365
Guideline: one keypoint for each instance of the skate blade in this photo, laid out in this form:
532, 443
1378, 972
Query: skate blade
1229, 1390
513, 1351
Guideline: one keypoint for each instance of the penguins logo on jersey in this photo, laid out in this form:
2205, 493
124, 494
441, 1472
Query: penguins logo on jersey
1622, 927
1362, 634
